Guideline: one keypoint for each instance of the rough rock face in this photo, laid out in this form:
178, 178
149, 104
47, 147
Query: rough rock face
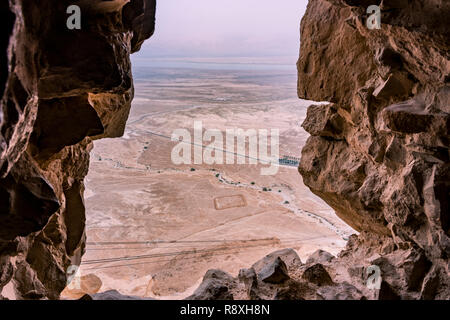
60, 89
111, 295
216, 285
379, 152
310, 281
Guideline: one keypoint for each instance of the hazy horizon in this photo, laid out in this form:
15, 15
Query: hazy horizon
235, 28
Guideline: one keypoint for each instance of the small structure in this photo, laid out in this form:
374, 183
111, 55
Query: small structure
289, 161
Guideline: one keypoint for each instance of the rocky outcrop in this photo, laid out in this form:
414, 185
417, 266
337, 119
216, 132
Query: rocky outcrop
111, 295
349, 276
60, 89
310, 281
379, 151
216, 285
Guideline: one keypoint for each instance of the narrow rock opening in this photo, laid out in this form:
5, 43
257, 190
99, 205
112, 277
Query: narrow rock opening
151, 218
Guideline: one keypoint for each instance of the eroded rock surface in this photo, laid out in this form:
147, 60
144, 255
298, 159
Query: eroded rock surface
379, 152
111, 295
310, 281
59, 89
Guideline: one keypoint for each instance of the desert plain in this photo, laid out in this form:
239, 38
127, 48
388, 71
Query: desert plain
154, 227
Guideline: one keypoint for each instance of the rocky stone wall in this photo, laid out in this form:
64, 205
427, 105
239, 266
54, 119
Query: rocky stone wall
60, 89
379, 152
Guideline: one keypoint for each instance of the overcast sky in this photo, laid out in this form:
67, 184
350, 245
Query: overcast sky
208, 28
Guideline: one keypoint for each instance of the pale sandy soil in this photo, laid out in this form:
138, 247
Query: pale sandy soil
154, 228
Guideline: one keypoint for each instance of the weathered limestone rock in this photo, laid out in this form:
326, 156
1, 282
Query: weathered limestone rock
59, 89
296, 290
274, 272
320, 256
385, 167
288, 256
250, 280
318, 275
342, 291
111, 295
307, 282
216, 285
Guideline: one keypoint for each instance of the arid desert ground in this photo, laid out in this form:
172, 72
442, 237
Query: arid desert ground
154, 228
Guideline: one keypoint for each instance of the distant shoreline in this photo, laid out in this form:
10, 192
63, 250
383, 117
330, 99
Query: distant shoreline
225, 63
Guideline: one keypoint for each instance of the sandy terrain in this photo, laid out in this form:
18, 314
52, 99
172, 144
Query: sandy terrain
154, 228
